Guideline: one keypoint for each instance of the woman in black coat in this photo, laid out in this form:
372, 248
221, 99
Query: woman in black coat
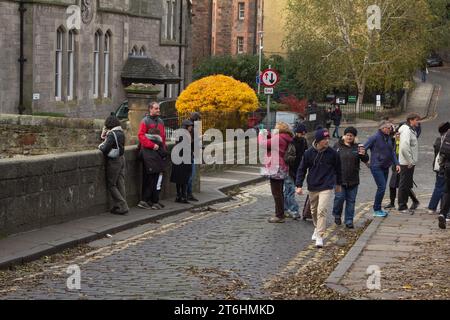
182, 172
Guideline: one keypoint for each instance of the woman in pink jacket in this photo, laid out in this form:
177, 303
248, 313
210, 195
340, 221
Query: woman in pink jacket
275, 167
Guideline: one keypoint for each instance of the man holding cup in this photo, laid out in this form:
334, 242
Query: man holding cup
351, 154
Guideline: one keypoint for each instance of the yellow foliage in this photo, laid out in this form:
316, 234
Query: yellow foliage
217, 96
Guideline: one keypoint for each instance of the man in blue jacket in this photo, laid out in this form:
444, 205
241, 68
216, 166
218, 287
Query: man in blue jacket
382, 155
323, 166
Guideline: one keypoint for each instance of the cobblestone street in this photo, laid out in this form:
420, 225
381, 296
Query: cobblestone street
229, 251
224, 251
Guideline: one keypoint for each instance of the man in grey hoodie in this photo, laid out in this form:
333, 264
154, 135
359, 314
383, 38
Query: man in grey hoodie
408, 157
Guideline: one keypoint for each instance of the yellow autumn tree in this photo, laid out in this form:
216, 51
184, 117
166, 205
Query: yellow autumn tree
222, 101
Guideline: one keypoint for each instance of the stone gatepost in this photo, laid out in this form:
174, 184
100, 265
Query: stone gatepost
139, 96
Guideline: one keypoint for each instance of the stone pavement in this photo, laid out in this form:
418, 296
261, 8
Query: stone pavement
399, 238
24, 247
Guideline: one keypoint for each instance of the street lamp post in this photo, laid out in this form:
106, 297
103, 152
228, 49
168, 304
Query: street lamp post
260, 59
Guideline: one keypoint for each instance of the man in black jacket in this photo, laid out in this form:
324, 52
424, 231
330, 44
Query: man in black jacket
351, 156
301, 145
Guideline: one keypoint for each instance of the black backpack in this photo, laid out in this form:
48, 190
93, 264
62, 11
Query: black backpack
290, 155
445, 147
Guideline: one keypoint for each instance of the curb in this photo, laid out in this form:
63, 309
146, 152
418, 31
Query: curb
334, 279
37, 253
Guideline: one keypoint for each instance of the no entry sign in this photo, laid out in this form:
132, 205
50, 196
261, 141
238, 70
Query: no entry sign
270, 78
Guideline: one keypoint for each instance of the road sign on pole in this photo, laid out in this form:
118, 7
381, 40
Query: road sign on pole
270, 78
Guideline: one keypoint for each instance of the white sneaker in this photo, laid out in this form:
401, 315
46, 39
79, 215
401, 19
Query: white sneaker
319, 242
314, 236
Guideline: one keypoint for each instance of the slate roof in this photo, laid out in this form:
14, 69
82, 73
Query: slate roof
147, 70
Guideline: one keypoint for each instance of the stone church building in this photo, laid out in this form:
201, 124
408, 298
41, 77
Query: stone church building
49, 64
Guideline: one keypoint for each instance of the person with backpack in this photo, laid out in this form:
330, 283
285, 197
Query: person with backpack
113, 148
382, 155
293, 158
444, 165
153, 164
275, 167
321, 166
439, 186
351, 155
408, 157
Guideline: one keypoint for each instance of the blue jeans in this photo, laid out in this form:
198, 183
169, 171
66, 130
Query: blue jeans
381, 178
347, 195
438, 193
191, 179
289, 196
336, 132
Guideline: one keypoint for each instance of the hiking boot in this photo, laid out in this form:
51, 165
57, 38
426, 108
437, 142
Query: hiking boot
276, 220
415, 205
442, 222
144, 205
338, 221
380, 214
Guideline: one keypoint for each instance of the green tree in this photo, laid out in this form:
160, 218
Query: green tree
331, 46
245, 68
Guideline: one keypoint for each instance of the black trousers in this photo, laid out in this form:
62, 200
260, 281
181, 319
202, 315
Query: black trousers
276, 187
445, 205
150, 193
182, 191
406, 185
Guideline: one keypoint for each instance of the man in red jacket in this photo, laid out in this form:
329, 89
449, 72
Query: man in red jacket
153, 164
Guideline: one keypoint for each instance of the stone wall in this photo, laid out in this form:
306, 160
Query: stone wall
50, 189
30, 135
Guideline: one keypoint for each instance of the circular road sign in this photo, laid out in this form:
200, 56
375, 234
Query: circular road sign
270, 78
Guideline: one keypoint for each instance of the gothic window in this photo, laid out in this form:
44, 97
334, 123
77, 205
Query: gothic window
70, 64
169, 21
142, 52
107, 64
96, 69
59, 63
134, 51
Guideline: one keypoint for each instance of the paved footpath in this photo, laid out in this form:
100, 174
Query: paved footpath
408, 249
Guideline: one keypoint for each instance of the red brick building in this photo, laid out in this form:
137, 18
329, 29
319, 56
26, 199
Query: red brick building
225, 27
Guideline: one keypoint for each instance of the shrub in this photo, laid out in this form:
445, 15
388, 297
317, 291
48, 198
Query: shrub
222, 100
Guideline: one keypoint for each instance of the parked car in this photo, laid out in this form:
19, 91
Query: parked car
291, 118
434, 60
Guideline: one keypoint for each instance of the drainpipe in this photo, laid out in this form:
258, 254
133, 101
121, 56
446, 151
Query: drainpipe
255, 44
22, 59
180, 47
